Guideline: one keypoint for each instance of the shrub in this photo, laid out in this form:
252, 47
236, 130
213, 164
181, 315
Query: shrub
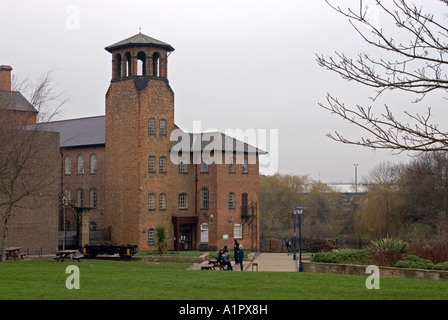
387, 251
441, 266
434, 249
161, 239
347, 256
412, 261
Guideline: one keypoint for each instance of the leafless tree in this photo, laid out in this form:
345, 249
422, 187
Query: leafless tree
416, 49
23, 174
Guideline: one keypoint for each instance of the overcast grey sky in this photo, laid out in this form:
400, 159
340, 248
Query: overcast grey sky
237, 64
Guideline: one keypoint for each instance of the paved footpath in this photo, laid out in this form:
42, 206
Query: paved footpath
266, 262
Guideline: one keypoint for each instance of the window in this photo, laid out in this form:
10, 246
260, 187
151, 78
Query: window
93, 165
152, 201
68, 165
204, 232
93, 198
152, 126
183, 201
162, 127
204, 198
80, 164
237, 231
231, 200
183, 167
117, 71
151, 237
245, 166
162, 164
128, 64
204, 164
141, 64
232, 165
162, 201
244, 204
80, 198
156, 64
151, 164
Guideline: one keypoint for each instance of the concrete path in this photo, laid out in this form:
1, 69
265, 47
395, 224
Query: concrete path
265, 262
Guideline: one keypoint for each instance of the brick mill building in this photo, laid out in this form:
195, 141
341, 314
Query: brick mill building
131, 173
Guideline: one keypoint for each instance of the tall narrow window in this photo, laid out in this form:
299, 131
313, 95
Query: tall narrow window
183, 201
162, 127
151, 237
80, 164
204, 232
93, 198
80, 198
68, 165
93, 163
151, 164
231, 165
152, 201
162, 201
162, 164
204, 164
128, 64
152, 126
156, 64
244, 204
204, 198
231, 200
141, 64
183, 167
117, 71
245, 166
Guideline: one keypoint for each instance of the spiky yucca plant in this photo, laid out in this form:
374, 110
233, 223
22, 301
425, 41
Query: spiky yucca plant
161, 239
387, 251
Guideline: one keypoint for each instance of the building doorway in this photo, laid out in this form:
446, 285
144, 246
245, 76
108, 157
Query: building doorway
184, 232
186, 237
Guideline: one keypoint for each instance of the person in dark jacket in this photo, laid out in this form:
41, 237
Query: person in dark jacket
236, 248
226, 260
241, 256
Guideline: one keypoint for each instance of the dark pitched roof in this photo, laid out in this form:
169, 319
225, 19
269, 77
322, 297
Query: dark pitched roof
79, 132
14, 100
139, 40
218, 142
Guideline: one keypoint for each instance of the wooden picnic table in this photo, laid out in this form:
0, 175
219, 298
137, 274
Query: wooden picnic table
67, 254
13, 252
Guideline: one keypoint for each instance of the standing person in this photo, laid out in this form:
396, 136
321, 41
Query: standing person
241, 256
288, 245
236, 248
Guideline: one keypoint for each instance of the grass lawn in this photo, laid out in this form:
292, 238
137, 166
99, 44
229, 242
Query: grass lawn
104, 279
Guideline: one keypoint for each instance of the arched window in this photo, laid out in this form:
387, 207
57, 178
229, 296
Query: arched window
151, 237
162, 164
93, 198
204, 198
152, 126
80, 164
68, 165
162, 127
141, 64
162, 201
80, 198
152, 201
128, 64
117, 66
237, 231
151, 164
156, 64
93, 163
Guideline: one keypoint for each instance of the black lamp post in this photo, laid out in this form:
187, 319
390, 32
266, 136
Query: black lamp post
298, 212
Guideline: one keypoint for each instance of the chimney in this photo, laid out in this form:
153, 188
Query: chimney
5, 78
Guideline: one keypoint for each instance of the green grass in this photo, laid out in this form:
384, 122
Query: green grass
105, 279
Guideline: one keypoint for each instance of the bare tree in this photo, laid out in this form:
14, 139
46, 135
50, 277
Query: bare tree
23, 174
416, 63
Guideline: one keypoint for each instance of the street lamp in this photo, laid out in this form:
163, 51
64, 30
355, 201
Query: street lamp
298, 212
